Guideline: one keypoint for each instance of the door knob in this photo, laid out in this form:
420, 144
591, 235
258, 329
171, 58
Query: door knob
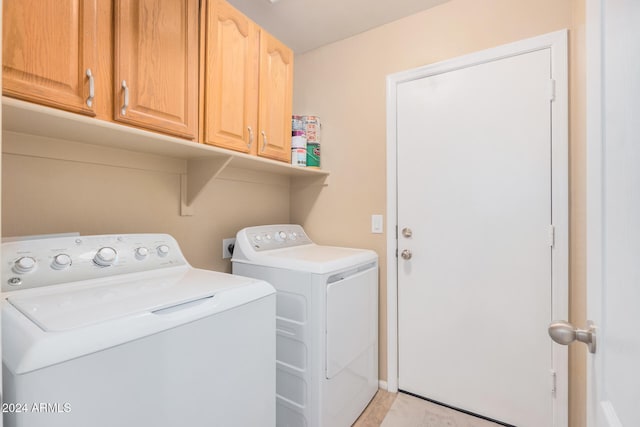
406, 254
406, 232
565, 333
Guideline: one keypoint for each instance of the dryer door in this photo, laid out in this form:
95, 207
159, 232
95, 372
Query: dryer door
352, 316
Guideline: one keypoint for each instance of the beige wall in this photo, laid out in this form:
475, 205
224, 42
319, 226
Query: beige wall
53, 196
578, 206
344, 83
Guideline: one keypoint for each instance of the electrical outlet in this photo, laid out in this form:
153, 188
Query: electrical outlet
227, 247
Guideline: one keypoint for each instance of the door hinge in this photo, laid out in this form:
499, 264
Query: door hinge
553, 383
552, 90
552, 235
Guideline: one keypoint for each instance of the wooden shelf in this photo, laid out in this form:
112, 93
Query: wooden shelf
204, 162
32, 119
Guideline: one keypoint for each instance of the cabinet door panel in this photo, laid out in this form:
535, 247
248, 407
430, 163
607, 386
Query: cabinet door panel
231, 93
156, 54
276, 87
48, 45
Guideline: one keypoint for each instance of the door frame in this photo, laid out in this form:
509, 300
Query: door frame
557, 43
595, 145
599, 411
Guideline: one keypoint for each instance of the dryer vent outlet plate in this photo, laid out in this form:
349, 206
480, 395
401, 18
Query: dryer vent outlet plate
227, 247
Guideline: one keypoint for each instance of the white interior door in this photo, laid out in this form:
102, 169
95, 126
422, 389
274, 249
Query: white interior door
613, 227
474, 186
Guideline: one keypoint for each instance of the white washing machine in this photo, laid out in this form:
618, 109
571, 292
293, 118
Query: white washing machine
327, 323
107, 331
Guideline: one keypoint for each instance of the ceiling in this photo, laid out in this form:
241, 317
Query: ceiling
304, 25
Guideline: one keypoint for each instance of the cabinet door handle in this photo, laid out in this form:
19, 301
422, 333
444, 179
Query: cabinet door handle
264, 141
123, 110
250, 136
92, 91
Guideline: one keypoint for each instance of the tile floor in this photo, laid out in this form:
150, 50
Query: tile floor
374, 414
402, 410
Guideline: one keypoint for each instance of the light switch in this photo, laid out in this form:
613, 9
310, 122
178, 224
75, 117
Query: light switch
376, 224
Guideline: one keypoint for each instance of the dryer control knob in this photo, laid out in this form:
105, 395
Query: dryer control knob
25, 264
142, 253
105, 257
61, 261
163, 250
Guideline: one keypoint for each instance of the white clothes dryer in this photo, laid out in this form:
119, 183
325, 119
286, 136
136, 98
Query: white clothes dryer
119, 330
326, 324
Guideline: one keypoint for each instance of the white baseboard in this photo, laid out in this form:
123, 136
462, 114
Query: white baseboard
382, 385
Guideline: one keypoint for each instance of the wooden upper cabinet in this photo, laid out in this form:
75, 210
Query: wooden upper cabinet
48, 47
248, 85
231, 79
156, 65
276, 89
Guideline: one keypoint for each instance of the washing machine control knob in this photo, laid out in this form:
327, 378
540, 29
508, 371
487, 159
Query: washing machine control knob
105, 257
61, 261
163, 250
281, 236
142, 253
25, 264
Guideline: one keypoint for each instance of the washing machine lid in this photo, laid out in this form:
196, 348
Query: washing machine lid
86, 303
310, 258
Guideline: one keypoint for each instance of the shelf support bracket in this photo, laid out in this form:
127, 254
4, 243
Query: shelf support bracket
310, 181
200, 171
